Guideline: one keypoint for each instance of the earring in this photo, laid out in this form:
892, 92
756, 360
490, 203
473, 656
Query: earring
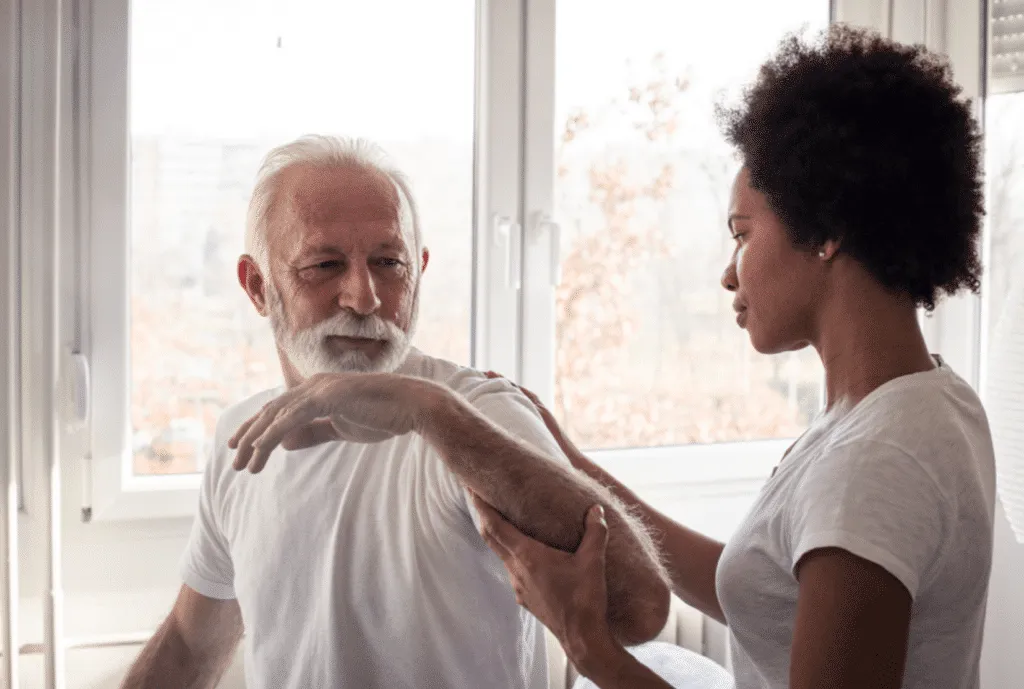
821, 254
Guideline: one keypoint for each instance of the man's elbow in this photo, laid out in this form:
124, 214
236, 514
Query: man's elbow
645, 615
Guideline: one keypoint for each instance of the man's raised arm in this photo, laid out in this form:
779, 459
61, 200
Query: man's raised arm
548, 500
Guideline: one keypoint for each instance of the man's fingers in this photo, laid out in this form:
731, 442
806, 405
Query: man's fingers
283, 423
240, 431
313, 434
246, 440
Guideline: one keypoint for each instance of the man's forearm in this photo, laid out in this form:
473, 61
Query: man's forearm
167, 663
548, 501
691, 557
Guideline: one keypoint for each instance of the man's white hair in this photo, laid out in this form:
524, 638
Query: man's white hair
329, 152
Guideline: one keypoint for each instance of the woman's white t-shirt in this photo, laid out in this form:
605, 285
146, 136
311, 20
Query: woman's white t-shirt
904, 479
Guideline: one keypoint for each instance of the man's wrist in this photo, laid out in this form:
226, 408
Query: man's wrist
433, 403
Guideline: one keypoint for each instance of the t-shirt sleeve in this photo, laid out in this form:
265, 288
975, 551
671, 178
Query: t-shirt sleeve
506, 407
206, 566
876, 502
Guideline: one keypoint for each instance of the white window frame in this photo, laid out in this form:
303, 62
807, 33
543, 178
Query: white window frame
115, 492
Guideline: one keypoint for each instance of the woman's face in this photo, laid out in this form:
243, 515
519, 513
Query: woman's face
776, 285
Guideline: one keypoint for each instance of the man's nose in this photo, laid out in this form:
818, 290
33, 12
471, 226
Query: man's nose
358, 291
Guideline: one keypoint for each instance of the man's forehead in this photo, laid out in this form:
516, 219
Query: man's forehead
315, 204
318, 194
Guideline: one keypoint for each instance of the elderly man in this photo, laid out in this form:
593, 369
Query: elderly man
335, 523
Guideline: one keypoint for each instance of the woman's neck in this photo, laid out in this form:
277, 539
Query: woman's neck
866, 343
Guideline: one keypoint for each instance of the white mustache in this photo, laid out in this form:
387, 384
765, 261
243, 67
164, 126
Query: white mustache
344, 324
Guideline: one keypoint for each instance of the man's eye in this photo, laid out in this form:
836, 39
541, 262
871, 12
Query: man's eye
327, 265
389, 262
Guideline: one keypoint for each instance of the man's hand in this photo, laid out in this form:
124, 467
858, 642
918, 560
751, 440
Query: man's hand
358, 407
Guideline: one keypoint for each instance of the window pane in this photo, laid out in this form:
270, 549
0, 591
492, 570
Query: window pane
648, 352
215, 84
1004, 163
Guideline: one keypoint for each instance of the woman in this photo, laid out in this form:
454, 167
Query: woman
865, 559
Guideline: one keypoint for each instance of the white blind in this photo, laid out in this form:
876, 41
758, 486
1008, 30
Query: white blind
1006, 66
1005, 405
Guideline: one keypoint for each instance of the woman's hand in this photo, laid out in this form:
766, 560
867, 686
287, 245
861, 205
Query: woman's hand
568, 447
565, 591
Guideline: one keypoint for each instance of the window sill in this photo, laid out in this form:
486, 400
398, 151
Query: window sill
119, 495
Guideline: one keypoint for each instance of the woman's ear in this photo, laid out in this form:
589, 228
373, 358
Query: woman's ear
829, 249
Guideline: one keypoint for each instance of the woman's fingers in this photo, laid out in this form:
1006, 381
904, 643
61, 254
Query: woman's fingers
492, 529
595, 535
529, 393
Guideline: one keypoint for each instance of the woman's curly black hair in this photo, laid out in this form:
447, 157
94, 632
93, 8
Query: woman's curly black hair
857, 138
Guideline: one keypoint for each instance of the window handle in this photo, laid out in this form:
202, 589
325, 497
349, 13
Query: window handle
507, 235
545, 225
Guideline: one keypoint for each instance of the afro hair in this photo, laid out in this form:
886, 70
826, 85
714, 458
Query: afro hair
856, 138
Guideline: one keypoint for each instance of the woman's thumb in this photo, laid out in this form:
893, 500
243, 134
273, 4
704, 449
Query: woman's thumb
595, 535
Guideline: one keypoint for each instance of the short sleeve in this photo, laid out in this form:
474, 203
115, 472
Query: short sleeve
876, 502
509, 409
206, 566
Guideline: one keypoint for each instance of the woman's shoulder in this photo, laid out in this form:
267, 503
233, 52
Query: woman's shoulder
933, 419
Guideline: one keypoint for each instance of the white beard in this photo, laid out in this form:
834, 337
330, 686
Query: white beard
308, 352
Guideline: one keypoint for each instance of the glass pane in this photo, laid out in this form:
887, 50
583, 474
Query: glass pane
214, 85
1004, 163
648, 352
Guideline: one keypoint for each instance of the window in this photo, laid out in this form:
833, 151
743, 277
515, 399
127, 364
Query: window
208, 99
182, 103
647, 352
1004, 162
1004, 132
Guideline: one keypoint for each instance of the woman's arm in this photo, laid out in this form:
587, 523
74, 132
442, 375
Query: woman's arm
690, 557
852, 624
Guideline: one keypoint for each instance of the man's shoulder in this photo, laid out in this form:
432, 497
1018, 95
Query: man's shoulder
236, 414
470, 383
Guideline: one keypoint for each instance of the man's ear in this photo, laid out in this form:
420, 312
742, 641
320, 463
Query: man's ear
252, 281
426, 260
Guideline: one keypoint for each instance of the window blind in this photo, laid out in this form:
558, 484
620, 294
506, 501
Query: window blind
1006, 47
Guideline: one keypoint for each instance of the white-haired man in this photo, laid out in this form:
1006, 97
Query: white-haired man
349, 549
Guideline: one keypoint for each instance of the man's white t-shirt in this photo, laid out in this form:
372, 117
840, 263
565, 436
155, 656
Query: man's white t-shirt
360, 566
906, 480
